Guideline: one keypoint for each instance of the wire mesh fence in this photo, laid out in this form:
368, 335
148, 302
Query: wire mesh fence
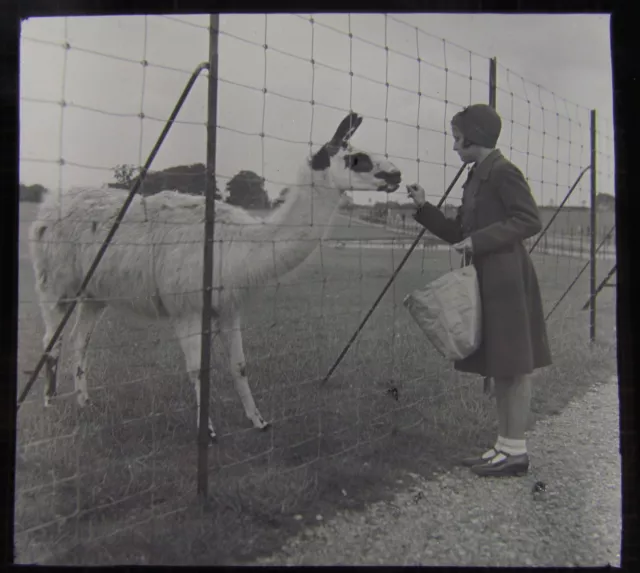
115, 481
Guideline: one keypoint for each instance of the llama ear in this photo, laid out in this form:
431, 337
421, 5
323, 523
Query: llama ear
346, 129
321, 160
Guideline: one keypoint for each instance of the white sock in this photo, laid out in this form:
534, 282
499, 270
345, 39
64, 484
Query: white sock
513, 447
497, 458
492, 452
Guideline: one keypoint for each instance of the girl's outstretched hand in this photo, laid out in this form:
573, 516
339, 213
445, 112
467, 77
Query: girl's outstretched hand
418, 194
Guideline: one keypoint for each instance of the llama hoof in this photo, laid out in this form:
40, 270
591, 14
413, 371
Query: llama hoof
48, 401
262, 425
258, 421
84, 400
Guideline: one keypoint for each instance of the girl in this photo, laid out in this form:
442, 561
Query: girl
497, 213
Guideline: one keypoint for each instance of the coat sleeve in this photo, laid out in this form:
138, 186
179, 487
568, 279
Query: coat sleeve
522, 217
449, 230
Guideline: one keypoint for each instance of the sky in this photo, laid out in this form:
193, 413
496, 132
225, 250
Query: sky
552, 69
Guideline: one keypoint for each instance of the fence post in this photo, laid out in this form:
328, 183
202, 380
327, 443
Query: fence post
207, 278
593, 225
488, 385
493, 82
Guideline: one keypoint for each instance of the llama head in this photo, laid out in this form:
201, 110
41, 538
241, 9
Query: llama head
352, 169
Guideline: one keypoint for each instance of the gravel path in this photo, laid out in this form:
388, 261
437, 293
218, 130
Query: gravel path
460, 519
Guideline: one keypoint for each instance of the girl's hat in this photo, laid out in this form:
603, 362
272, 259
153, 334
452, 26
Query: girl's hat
480, 124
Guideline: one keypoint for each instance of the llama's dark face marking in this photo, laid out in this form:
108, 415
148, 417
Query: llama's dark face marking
358, 162
79, 372
357, 170
351, 169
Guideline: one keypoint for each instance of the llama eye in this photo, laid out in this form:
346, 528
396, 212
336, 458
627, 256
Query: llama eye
358, 162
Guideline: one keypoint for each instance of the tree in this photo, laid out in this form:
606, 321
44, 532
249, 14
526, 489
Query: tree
246, 190
125, 175
32, 193
605, 201
190, 179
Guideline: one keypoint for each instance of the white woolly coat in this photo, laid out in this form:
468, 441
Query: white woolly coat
153, 265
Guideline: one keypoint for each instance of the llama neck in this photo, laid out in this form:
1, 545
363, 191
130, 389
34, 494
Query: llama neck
303, 220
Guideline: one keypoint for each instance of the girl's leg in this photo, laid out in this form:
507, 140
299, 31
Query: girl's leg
513, 398
500, 387
502, 411
518, 407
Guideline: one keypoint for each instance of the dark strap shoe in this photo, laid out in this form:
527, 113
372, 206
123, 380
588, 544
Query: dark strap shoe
508, 467
474, 461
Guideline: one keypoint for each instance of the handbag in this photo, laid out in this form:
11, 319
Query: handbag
448, 310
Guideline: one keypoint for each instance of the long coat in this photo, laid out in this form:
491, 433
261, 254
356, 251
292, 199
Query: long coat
498, 212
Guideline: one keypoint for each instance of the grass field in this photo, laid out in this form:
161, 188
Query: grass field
116, 483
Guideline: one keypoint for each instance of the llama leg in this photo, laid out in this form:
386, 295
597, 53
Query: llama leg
231, 335
189, 336
52, 316
88, 315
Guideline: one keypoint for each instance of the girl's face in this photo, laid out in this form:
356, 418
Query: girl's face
465, 153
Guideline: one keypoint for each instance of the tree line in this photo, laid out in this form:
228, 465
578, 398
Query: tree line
245, 189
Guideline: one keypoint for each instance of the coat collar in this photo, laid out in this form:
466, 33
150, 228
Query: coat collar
483, 170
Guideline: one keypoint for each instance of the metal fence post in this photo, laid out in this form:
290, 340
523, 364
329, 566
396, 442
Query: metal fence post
493, 82
207, 278
488, 386
593, 225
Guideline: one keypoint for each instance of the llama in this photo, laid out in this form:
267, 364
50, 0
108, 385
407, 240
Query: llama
153, 265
